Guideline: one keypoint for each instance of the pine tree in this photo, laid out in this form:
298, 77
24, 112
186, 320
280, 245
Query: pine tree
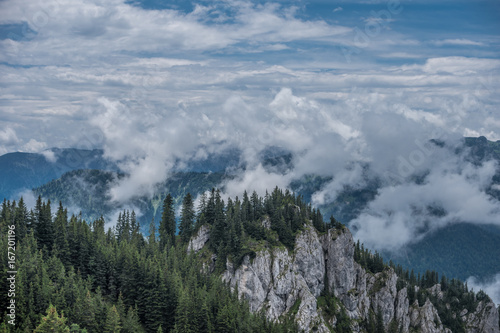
167, 223
112, 321
61, 234
152, 232
184, 314
21, 219
52, 322
131, 322
256, 204
187, 219
43, 224
380, 321
225, 323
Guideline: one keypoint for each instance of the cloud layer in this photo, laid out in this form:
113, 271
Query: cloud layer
343, 88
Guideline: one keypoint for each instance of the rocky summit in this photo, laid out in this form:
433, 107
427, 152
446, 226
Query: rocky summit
292, 284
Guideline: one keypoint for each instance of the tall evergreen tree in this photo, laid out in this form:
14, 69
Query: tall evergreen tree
152, 232
187, 219
21, 219
43, 224
112, 321
184, 322
52, 323
167, 223
61, 234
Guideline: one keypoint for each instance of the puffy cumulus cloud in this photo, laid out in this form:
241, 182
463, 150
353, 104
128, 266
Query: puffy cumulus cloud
34, 146
490, 286
145, 143
257, 179
8, 136
69, 32
8, 140
167, 86
452, 192
49, 155
352, 177
28, 198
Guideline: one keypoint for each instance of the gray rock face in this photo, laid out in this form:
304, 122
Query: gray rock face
426, 318
278, 281
340, 269
310, 261
485, 319
402, 310
197, 242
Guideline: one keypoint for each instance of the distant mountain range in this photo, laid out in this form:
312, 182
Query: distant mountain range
24, 171
81, 180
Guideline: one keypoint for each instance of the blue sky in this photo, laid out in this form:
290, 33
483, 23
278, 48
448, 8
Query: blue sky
338, 83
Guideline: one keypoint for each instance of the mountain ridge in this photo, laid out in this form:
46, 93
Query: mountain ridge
283, 283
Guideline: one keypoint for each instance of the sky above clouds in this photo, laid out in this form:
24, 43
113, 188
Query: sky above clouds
341, 84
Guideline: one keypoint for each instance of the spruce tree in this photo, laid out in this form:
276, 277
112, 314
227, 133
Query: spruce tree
112, 321
43, 224
52, 323
21, 220
187, 219
167, 223
184, 322
152, 232
61, 234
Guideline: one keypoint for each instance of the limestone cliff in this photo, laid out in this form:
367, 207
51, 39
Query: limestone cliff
288, 284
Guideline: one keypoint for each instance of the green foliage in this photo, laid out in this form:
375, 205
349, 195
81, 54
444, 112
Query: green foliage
52, 322
332, 307
115, 281
88, 190
112, 321
167, 224
373, 263
187, 218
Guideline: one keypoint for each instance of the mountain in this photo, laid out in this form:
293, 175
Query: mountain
459, 250
469, 249
24, 171
327, 283
259, 264
323, 286
88, 191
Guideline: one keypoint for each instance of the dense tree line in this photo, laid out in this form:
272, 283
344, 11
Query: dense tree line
74, 276
239, 224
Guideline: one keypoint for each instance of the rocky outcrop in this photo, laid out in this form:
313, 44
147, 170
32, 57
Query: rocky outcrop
285, 283
426, 318
485, 319
197, 242
277, 281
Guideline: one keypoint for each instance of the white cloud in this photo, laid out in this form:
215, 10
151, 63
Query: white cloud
8, 137
34, 146
257, 179
490, 286
402, 214
460, 65
165, 86
49, 155
459, 41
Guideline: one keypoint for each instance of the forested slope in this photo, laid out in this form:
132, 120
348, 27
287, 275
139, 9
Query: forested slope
117, 280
